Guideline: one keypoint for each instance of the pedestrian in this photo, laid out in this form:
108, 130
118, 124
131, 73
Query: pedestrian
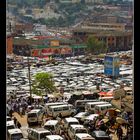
20, 111
15, 121
18, 124
119, 133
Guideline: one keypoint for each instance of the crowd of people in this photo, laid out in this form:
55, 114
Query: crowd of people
124, 131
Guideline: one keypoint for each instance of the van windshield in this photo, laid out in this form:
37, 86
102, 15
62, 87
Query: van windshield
49, 127
32, 115
10, 127
43, 135
80, 131
16, 136
70, 123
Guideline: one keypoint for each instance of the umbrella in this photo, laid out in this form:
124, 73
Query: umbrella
121, 120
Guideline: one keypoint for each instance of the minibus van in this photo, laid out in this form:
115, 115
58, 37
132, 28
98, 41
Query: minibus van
83, 136
14, 134
38, 133
64, 110
102, 108
75, 129
69, 121
35, 116
54, 137
52, 125
47, 106
81, 104
89, 107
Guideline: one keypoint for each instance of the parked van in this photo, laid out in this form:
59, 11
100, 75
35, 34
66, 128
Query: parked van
54, 137
10, 125
106, 99
83, 136
89, 107
70, 121
35, 116
47, 106
52, 125
14, 134
64, 110
102, 108
75, 129
38, 133
81, 103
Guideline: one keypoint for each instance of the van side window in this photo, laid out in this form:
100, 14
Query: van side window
65, 108
57, 109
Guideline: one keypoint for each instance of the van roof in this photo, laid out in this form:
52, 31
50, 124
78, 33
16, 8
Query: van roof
14, 131
39, 130
60, 105
8, 123
54, 137
34, 111
51, 122
84, 136
55, 103
77, 126
71, 119
104, 105
101, 102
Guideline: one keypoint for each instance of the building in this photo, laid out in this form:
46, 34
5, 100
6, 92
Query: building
115, 36
93, 1
69, 1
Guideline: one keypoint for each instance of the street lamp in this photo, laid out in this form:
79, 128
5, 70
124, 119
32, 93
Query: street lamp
29, 76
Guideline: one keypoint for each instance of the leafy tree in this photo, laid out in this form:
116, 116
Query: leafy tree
95, 46
43, 81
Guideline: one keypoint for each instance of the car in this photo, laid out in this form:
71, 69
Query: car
100, 135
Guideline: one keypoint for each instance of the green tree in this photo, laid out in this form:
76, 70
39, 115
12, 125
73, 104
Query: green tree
43, 81
95, 46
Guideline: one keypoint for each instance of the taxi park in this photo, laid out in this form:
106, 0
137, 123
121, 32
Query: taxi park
75, 78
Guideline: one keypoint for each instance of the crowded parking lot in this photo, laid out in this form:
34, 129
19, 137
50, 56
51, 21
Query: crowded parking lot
85, 110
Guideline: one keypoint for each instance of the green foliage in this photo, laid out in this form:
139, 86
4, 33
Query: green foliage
43, 81
95, 46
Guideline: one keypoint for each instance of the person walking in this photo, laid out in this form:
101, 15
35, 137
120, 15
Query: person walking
119, 133
15, 121
18, 124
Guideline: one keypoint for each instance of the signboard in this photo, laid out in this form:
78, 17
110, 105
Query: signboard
35, 52
54, 43
46, 52
111, 66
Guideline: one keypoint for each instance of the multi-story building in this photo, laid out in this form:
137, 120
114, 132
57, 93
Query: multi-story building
69, 1
114, 35
93, 1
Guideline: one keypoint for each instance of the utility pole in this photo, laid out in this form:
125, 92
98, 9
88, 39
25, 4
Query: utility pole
29, 78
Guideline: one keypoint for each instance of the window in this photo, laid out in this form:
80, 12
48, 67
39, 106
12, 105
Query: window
65, 108
57, 109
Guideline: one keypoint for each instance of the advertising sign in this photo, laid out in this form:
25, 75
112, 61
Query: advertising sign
111, 66
108, 65
54, 43
35, 52
46, 52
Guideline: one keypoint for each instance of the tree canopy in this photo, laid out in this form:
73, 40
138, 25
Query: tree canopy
95, 46
43, 81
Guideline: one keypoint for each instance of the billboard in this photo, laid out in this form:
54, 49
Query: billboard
9, 45
111, 66
35, 52
54, 43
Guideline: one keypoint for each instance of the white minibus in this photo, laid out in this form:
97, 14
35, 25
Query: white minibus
47, 106
54, 137
35, 116
14, 134
75, 129
89, 107
102, 108
64, 110
83, 136
70, 121
52, 125
38, 133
